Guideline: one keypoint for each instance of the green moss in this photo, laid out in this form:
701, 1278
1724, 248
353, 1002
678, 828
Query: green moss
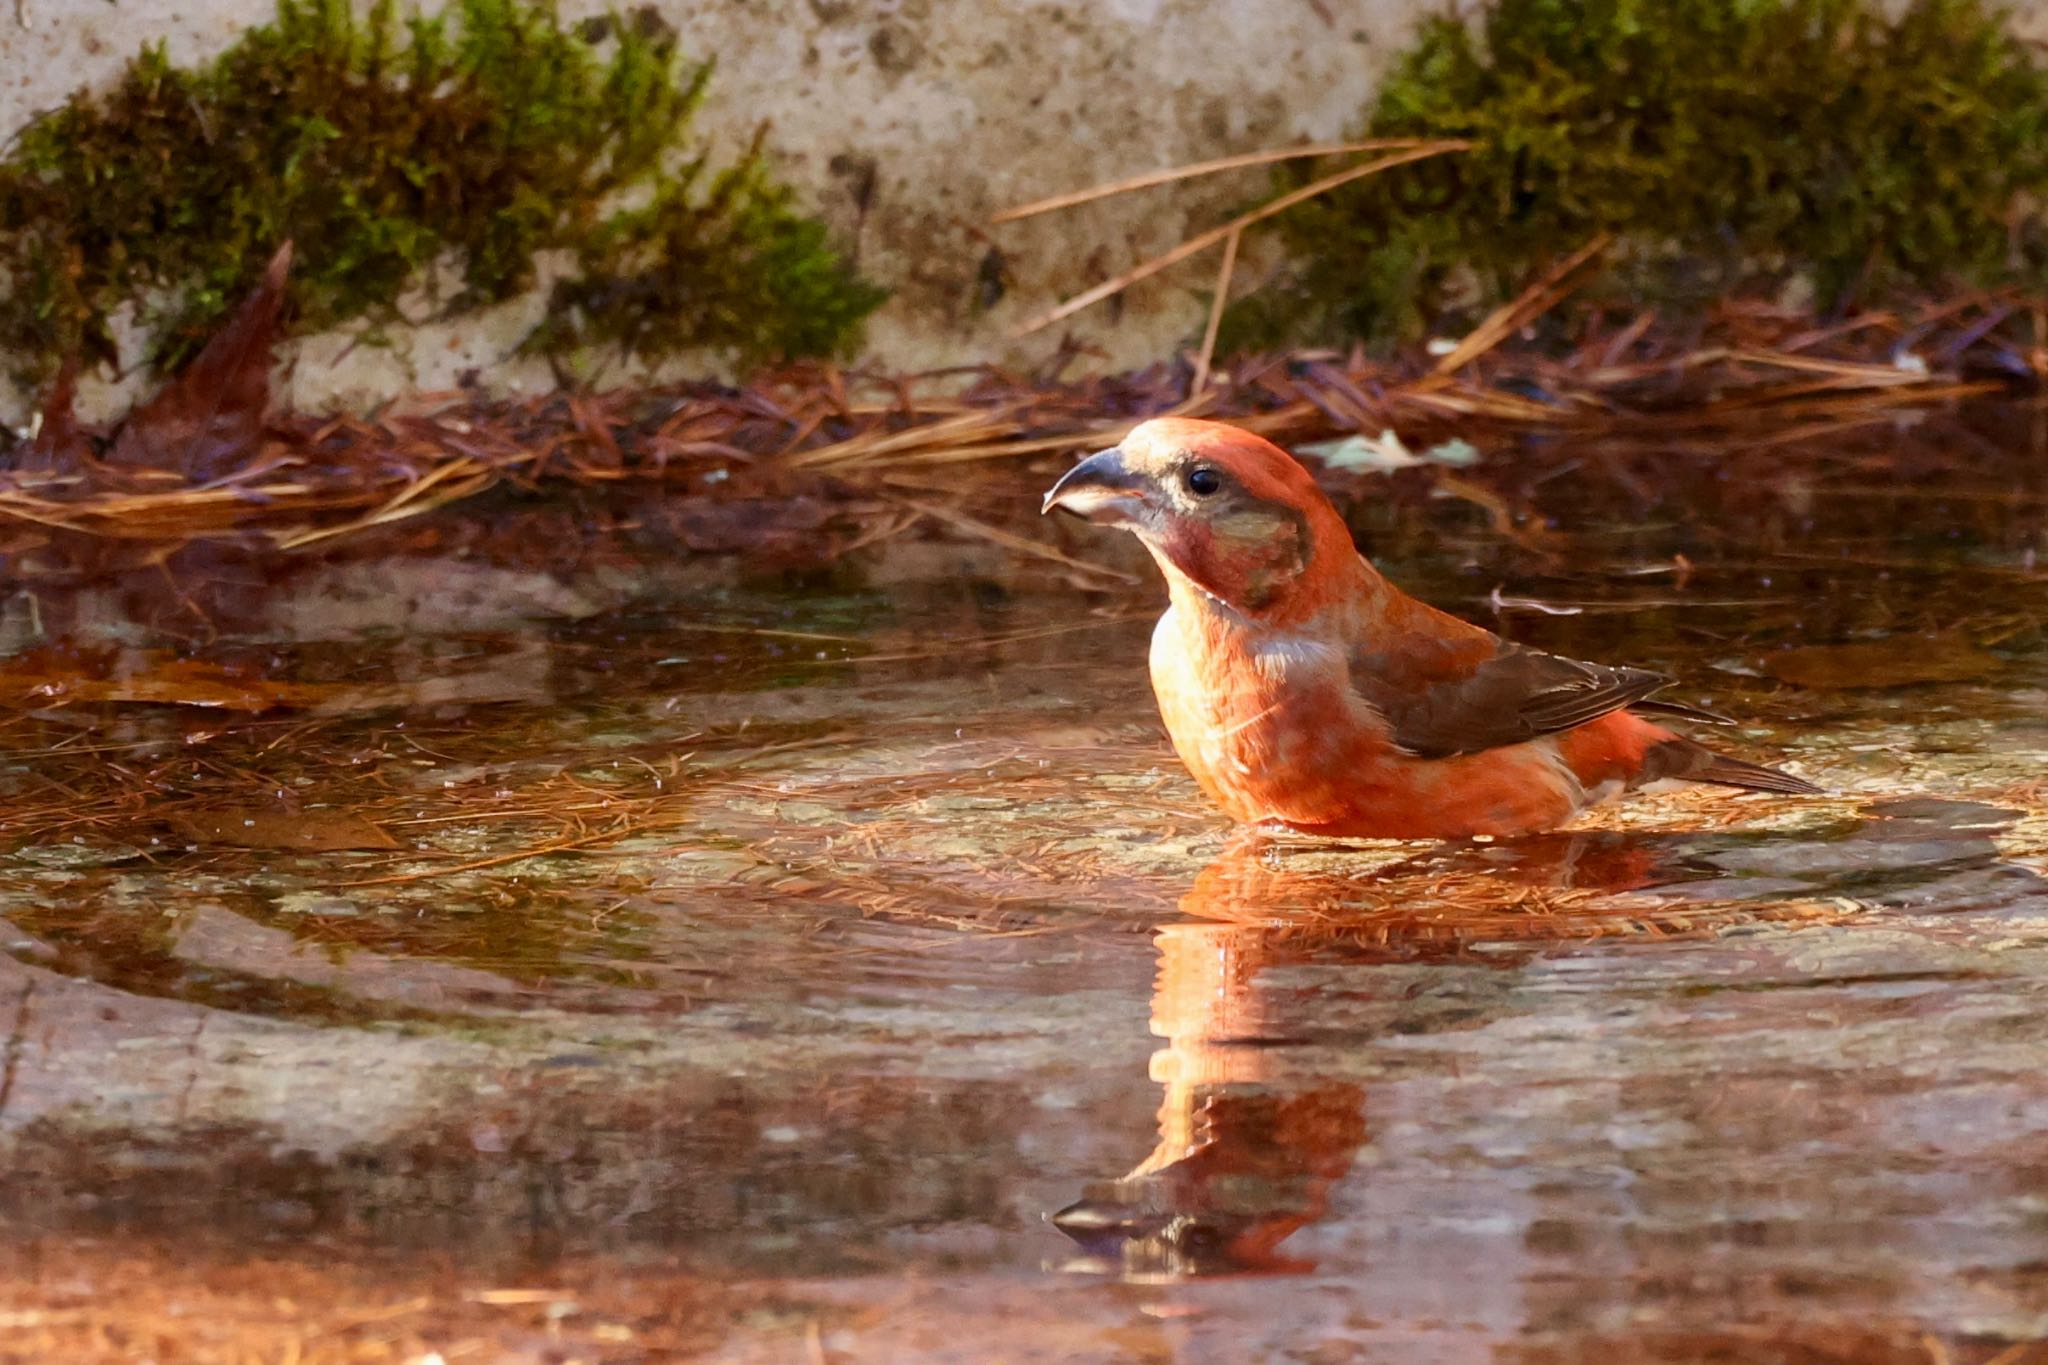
734, 267
1729, 144
404, 148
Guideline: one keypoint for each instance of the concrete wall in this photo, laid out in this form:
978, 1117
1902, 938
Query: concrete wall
906, 123
944, 110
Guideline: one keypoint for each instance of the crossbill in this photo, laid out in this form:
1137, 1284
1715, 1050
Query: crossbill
1308, 694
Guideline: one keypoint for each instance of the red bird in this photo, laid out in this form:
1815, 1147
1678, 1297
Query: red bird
1306, 693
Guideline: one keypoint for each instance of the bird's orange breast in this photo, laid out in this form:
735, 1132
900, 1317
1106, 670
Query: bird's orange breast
1270, 727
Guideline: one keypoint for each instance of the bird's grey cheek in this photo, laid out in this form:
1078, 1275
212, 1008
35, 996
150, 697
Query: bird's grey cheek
1153, 520
1151, 525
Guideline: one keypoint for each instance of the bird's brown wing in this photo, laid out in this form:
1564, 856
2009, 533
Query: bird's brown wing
1516, 695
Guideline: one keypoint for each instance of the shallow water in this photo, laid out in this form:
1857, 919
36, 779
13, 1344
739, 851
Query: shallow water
839, 967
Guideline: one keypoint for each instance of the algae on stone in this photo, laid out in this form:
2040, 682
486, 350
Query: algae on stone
1836, 145
400, 148
735, 267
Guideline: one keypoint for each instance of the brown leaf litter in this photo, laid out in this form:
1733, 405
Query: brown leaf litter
207, 458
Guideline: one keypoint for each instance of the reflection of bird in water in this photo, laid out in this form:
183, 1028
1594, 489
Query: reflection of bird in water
1250, 1139
1254, 1131
1261, 1112
1244, 1158
1458, 890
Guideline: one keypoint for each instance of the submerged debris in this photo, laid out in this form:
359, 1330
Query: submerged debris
201, 460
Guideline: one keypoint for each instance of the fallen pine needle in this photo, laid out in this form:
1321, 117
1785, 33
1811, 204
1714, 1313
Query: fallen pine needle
1200, 168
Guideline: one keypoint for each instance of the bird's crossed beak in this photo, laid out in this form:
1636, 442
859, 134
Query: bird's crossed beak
1101, 488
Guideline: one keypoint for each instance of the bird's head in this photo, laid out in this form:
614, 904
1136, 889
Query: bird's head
1229, 511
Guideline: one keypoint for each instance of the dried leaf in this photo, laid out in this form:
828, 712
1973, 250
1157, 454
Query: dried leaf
1362, 454
1896, 661
209, 421
311, 831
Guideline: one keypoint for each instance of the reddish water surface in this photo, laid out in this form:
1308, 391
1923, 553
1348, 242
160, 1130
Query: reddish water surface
641, 961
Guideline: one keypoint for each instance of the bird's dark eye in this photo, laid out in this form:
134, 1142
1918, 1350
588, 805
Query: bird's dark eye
1202, 481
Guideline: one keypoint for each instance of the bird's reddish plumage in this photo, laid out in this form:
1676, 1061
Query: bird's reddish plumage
1303, 690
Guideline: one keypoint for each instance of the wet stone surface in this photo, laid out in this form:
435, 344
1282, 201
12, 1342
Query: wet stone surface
636, 965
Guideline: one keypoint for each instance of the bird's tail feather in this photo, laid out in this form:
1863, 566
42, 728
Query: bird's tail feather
1690, 762
1736, 772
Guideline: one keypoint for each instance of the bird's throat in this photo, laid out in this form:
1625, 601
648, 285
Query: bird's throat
1249, 562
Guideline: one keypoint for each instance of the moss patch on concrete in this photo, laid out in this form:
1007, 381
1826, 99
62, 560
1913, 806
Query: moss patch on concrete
398, 149
1822, 145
